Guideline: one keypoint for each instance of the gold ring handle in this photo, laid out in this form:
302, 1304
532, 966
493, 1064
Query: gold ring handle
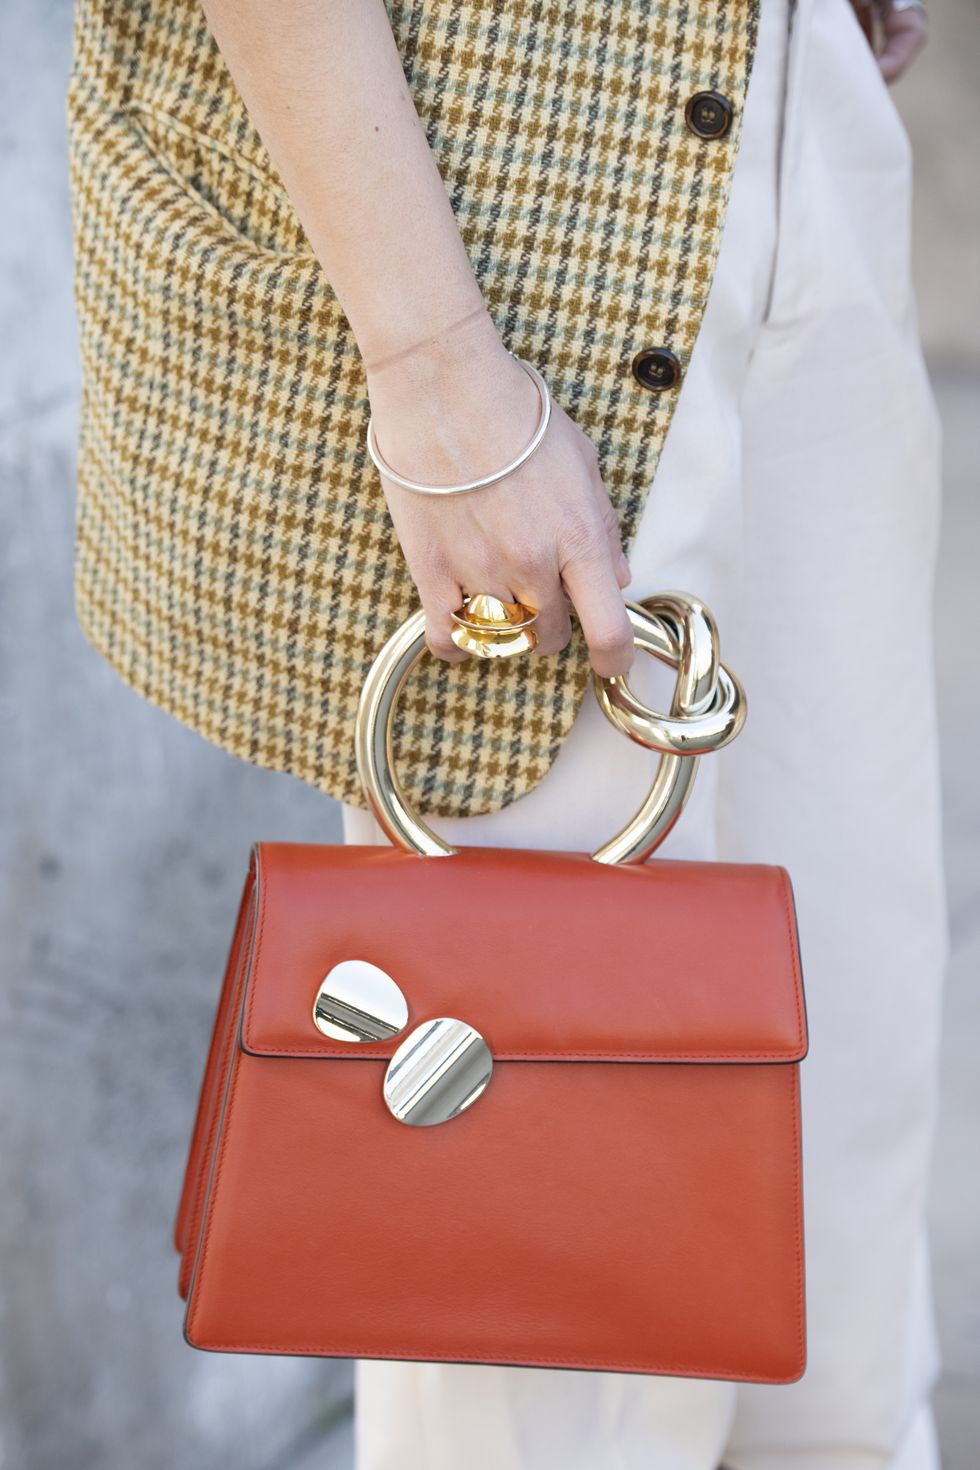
707, 711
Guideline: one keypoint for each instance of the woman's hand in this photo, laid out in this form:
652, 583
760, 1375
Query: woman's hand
459, 407
904, 33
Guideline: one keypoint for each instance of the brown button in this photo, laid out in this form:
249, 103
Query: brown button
656, 368
709, 114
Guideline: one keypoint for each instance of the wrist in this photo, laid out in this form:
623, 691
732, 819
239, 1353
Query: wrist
468, 347
389, 359
481, 481
456, 412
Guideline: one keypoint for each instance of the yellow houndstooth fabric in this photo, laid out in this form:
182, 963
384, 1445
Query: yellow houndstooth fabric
235, 560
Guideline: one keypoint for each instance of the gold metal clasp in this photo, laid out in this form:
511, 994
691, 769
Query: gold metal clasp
440, 1070
437, 1072
358, 1001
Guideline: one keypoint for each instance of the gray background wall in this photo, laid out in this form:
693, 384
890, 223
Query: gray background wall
124, 840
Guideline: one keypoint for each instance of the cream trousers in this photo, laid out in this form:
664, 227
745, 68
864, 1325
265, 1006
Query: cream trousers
798, 495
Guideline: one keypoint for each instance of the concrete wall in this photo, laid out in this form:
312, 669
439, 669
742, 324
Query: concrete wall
124, 840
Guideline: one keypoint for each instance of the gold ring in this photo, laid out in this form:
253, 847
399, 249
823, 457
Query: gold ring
489, 627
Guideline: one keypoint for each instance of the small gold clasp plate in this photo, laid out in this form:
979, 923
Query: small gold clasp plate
358, 1001
439, 1070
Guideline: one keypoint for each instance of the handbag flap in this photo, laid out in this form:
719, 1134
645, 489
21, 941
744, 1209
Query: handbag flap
550, 955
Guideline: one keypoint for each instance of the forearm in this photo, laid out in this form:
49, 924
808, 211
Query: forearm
324, 86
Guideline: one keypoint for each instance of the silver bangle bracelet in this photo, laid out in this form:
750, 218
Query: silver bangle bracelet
522, 458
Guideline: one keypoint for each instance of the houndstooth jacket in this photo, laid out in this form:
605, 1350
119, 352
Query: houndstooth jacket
235, 560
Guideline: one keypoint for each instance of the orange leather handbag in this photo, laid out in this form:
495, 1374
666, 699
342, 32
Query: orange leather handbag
506, 1106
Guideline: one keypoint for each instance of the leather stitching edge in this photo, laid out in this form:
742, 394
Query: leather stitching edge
366, 1054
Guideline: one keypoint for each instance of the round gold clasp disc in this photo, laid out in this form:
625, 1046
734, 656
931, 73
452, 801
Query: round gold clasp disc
358, 1001
440, 1070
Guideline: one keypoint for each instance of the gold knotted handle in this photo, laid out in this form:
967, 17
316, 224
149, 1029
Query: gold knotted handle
707, 711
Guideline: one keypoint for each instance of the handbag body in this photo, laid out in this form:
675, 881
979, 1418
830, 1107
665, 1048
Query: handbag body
625, 1194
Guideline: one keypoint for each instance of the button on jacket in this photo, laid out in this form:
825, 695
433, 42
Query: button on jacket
235, 557
656, 368
709, 115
